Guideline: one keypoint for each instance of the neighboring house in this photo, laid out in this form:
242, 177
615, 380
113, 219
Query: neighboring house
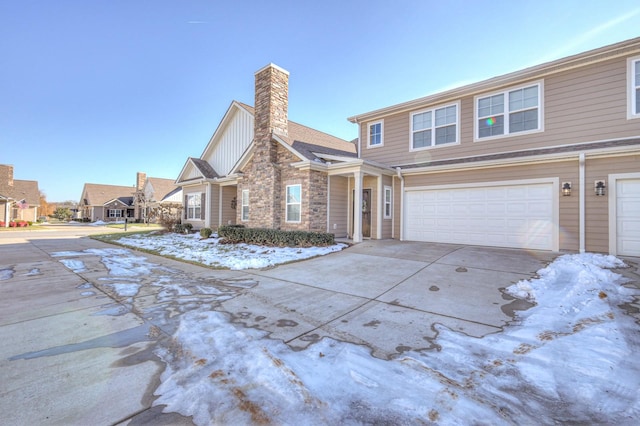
153, 193
19, 199
262, 170
543, 158
108, 203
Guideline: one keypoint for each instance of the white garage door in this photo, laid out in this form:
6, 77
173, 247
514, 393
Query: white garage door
499, 215
628, 217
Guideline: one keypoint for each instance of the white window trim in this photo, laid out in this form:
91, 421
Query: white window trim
384, 202
381, 123
505, 92
631, 88
287, 204
112, 215
433, 127
196, 217
243, 205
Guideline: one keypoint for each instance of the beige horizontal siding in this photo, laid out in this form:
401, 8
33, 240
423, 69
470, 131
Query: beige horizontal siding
581, 105
339, 206
597, 208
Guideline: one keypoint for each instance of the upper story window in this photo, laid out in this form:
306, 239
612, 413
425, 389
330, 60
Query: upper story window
245, 205
634, 87
193, 206
512, 111
434, 127
376, 134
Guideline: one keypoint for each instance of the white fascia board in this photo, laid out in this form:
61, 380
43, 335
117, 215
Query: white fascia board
288, 147
244, 159
310, 165
333, 157
221, 126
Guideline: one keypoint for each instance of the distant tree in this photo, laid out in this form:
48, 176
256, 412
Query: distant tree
45, 208
62, 213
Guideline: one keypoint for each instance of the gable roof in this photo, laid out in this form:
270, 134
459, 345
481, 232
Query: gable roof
309, 136
23, 190
95, 194
161, 187
302, 141
581, 59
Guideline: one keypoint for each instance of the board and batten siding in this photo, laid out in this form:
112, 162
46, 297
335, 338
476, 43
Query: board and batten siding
338, 223
231, 142
565, 171
581, 105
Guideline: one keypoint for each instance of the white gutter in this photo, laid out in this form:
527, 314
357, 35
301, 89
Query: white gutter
581, 201
399, 171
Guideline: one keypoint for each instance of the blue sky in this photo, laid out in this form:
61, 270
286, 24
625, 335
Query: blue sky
95, 91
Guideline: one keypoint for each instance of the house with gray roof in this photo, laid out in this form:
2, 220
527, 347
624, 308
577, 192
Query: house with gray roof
19, 199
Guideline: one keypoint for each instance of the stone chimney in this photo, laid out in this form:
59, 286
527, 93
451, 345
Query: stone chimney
6, 179
140, 179
271, 101
270, 118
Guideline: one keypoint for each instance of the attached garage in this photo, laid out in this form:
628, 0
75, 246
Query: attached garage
519, 214
625, 216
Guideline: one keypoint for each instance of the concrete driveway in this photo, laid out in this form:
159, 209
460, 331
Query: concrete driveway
76, 350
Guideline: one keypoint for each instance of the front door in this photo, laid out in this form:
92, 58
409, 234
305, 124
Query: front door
366, 213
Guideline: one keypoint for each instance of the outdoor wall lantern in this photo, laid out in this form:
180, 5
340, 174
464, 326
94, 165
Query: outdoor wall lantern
600, 187
566, 188
234, 203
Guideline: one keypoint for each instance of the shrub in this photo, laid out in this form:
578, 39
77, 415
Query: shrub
206, 232
182, 228
274, 237
169, 222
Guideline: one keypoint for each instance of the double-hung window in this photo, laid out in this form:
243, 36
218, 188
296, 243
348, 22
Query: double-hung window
245, 205
115, 213
376, 134
193, 206
294, 203
634, 87
387, 202
434, 127
513, 111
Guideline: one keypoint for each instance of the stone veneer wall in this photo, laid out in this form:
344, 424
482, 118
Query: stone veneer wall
262, 176
268, 173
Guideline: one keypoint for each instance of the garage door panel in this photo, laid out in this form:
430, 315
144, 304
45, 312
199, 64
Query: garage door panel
628, 217
494, 215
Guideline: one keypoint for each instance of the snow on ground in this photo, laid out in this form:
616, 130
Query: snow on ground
571, 358
233, 256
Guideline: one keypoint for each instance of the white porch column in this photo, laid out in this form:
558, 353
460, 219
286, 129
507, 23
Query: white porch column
357, 207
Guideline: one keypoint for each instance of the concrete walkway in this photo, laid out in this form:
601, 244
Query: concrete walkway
75, 351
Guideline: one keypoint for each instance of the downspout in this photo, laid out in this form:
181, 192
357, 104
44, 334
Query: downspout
359, 139
208, 213
582, 210
219, 206
399, 171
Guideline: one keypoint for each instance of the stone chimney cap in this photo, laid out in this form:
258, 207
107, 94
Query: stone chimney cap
272, 65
